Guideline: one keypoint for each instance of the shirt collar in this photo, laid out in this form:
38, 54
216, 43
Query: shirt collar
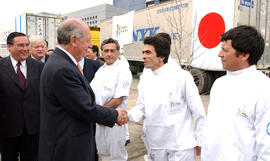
71, 57
161, 69
42, 59
81, 63
112, 65
239, 72
14, 62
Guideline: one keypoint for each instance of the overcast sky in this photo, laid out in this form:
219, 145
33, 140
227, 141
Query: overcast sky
11, 8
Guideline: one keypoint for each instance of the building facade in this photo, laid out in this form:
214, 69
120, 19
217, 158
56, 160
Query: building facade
92, 16
130, 4
136, 4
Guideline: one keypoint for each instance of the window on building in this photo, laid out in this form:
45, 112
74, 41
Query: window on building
150, 3
163, 1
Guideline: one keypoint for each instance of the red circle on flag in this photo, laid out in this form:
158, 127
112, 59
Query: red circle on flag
210, 28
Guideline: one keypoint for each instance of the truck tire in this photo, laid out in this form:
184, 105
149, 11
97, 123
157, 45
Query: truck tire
201, 79
211, 79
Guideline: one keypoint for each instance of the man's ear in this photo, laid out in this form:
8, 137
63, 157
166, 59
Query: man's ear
73, 40
161, 58
245, 56
9, 46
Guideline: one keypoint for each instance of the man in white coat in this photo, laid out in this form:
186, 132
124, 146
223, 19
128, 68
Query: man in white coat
170, 105
111, 86
238, 117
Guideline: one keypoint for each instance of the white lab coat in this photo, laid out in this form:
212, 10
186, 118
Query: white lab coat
238, 116
112, 81
168, 102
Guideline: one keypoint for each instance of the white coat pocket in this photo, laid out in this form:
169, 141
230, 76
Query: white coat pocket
176, 105
108, 92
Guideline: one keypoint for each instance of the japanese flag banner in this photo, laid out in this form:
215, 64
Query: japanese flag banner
211, 18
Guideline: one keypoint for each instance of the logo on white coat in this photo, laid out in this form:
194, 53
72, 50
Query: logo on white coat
268, 129
125, 84
107, 88
242, 114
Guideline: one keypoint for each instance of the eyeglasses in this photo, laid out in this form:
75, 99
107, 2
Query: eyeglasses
21, 46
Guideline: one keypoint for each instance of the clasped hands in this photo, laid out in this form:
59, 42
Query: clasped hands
122, 117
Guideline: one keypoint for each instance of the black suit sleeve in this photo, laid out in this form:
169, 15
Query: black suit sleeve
74, 95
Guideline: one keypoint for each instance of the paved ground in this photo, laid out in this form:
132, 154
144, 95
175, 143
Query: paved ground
136, 148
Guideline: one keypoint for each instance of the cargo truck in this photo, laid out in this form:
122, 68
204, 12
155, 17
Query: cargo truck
44, 25
95, 36
195, 27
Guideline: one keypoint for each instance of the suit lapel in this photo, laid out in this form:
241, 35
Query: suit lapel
46, 57
88, 86
11, 72
30, 71
65, 56
86, 71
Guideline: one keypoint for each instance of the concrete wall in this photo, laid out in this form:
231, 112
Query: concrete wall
130, 4
92, 16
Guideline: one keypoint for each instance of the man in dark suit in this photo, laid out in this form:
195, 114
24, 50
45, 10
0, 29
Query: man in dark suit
90, 68
68, 108
19, 101
93, 54
38, 48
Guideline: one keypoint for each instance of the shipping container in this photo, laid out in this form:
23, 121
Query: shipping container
195, 27
31, 24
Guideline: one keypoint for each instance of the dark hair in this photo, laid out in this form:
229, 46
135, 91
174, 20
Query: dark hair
12, 35
109, 41
95, 49
161, 45
50, 50
47, 44
166, 36
66, 30
246, 39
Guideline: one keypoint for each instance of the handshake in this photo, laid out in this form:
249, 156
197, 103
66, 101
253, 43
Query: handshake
122, 117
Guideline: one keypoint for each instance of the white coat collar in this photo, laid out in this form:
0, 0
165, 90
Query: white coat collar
111, 65
240, 72
161, 70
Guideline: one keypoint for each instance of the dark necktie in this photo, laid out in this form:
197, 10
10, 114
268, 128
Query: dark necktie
20, 76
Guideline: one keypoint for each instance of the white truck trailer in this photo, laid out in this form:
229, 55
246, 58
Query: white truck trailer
44, 25
195, 27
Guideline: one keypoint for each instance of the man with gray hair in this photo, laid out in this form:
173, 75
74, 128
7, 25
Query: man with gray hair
38, 48
68, 108
111, 86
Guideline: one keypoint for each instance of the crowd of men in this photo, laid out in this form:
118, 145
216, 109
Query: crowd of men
70, 105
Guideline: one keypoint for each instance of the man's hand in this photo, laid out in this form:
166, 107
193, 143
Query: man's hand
122, 117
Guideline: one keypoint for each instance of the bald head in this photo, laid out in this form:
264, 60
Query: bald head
74, 36
68, 28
